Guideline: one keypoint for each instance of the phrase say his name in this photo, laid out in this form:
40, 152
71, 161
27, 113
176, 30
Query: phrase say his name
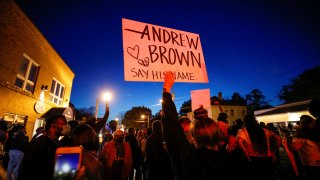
160, 75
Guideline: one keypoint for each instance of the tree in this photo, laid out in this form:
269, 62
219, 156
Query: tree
113, 124
132, 118
157, 116
237, 99
185, 108
256, 100
303, 87
87, 113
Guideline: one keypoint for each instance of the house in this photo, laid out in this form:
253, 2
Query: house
234, 112
284, 114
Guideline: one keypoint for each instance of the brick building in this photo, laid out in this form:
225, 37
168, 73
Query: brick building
33, 77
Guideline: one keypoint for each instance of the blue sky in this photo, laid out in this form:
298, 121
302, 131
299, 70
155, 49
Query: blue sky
246, 45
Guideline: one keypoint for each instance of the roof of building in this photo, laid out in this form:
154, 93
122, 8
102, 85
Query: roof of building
285, 108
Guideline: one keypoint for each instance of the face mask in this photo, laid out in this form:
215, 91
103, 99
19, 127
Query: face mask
66, 130
118, 140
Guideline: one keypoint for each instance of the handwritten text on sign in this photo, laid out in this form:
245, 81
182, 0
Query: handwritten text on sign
150, 51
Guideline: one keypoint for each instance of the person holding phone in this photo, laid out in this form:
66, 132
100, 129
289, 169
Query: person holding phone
67, 163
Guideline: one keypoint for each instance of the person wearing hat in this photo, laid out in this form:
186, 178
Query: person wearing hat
116, 158
200, 113
38, 161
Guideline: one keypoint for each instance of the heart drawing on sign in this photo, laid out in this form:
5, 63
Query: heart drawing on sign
134, 52
144, 62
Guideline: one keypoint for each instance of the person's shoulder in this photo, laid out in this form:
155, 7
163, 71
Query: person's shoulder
110, 143
89, 157
130, 138
126, 143
40, 140
240, 131
267, 131
149, 138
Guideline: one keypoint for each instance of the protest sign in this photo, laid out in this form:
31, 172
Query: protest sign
150, 51
201, 97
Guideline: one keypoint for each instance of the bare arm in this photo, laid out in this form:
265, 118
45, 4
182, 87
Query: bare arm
100, 124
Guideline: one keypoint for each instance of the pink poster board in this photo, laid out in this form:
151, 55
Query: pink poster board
150, 50
201, 97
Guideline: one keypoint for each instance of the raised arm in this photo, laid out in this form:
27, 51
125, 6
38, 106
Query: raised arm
100, 124
177, 143
168, 106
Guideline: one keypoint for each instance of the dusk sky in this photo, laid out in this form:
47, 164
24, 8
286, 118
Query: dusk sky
246, 45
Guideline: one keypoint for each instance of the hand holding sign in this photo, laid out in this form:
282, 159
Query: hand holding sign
168, 81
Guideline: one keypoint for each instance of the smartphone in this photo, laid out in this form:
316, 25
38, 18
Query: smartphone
67, 162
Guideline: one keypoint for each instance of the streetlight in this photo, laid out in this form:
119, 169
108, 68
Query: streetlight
106, 96
143, 116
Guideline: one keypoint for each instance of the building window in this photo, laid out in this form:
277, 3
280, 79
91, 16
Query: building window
12, 118
57, 92
39, 123
243, 112
232, 113
27, 75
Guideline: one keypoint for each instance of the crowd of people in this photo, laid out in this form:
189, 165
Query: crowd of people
174, 148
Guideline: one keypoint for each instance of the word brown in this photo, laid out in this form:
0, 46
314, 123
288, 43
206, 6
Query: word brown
173, 56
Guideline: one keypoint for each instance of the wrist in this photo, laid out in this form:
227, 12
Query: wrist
166, 90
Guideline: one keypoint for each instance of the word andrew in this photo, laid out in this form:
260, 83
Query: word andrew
171, 55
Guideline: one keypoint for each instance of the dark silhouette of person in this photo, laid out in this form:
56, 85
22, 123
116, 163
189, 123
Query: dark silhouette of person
85, 136
157, 158
254, 142
98, 124
136, 153
19, 143
314, 109
39, 132
38, 161
205, 161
